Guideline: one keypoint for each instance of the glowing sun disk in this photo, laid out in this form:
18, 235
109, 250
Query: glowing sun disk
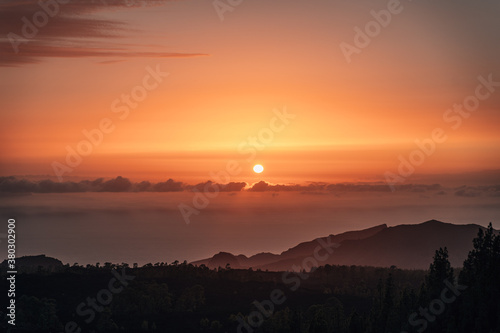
258, 168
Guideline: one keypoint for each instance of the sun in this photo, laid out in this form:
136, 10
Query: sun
258, 168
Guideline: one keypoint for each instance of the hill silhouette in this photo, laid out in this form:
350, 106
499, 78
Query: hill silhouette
29, 264
404, 246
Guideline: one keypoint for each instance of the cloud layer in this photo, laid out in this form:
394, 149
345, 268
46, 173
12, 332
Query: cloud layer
13, 184
119, 184
31, 30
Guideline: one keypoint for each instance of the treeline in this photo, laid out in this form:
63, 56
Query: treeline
179, 297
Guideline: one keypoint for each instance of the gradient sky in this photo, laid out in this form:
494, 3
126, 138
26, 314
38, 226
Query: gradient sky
352, 120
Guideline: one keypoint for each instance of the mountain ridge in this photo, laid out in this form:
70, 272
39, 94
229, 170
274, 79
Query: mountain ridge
409, 246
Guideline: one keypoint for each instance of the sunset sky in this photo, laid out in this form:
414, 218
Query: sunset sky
228, 78
102, 95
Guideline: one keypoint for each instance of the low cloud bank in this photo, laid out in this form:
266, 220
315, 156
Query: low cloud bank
13, 184
119, 184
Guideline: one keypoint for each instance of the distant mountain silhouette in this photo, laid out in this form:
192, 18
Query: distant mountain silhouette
403, 246
32, 264
302, 250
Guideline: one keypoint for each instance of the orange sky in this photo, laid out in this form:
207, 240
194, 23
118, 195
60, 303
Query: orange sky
352, 120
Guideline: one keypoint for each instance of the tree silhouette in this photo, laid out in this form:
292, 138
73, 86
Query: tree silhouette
480, 306
439, 271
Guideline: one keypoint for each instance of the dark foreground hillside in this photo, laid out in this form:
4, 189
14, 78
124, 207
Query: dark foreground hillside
184, 298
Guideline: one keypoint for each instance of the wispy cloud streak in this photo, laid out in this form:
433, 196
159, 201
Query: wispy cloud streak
32, 30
